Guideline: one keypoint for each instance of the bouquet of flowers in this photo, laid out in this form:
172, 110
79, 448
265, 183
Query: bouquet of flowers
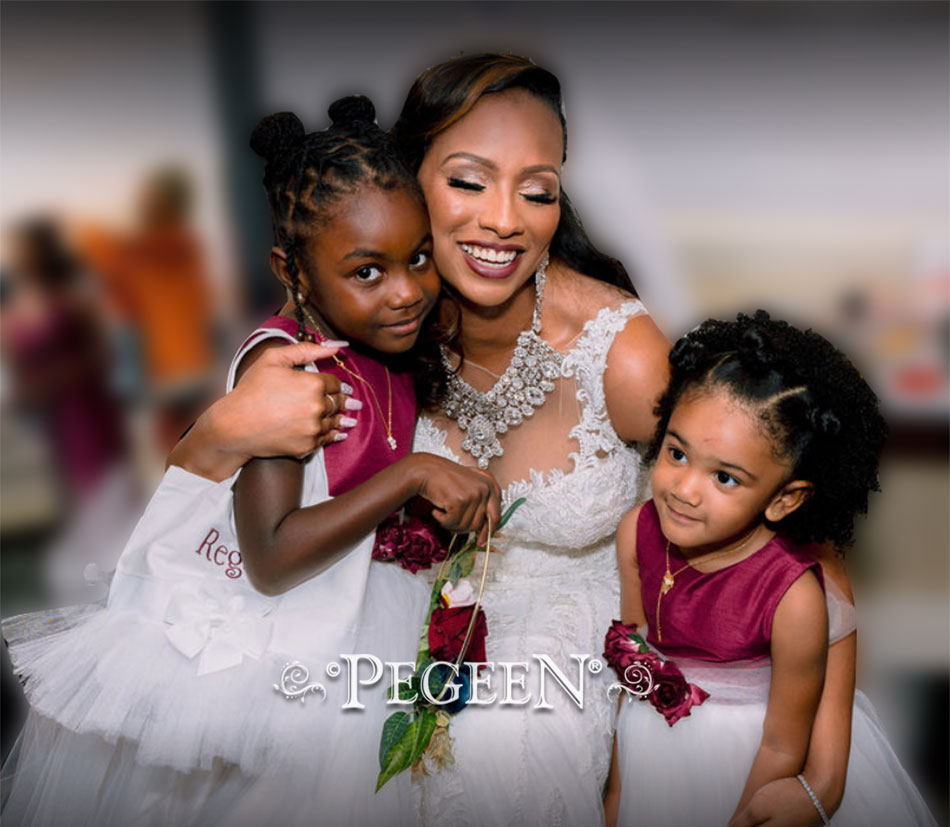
453, 635
643, 673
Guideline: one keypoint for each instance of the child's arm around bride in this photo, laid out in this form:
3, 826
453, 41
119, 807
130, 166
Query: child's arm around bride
284, 544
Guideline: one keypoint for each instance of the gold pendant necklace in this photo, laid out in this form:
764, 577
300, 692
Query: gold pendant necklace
386, 420
669, 578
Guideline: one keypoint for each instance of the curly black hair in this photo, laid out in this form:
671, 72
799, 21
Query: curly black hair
820, 414
306, 175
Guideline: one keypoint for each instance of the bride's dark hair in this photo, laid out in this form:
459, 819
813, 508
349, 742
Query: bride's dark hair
446, 92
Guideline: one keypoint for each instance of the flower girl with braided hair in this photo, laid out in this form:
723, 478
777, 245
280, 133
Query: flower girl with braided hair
768, 440
161, 708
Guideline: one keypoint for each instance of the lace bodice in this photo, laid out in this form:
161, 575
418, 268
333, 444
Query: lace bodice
576, 508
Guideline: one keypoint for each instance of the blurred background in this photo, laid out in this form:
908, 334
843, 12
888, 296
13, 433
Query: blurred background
792, 156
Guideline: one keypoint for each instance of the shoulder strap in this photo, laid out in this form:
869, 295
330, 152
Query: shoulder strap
262, 334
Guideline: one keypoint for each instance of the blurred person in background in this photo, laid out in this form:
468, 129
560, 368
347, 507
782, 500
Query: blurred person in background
58, 360
156, 282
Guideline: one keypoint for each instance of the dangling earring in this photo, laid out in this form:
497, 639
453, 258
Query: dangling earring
540, 277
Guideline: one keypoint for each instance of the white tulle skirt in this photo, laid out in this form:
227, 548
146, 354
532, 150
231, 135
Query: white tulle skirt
694, 772
122, 731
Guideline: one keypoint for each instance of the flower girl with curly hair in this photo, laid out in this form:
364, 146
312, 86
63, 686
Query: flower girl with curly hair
768, 440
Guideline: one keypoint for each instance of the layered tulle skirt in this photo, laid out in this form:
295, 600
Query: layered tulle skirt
124, 730
694, 772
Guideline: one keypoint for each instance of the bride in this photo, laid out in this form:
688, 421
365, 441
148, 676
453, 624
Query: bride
554, 368
551, 370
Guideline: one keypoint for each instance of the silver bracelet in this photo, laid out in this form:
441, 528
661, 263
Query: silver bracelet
814, 800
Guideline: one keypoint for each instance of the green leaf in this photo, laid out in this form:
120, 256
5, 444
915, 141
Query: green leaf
466, 563
427, 722
407, 750
409, 691
423, 652
394, 729
455, 571
509, 511
638, 639
436, 595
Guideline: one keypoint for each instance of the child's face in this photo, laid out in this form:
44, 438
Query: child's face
717, 472
370, 274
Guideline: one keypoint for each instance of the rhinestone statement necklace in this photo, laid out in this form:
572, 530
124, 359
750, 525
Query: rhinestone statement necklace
519, 391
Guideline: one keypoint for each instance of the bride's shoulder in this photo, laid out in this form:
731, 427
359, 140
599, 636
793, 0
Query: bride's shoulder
572, 300
574, 303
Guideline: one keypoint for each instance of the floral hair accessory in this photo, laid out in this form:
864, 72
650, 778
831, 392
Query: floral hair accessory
644, 674
454, 634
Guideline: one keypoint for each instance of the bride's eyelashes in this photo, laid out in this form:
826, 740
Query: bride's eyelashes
533, 197
462, 184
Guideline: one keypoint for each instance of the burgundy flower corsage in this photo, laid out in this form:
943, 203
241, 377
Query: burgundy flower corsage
645, 674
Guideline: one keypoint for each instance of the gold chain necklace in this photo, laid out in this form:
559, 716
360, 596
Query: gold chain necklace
388, 419
669, 578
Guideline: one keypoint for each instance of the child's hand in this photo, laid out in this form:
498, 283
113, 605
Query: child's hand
464, 499
780, 803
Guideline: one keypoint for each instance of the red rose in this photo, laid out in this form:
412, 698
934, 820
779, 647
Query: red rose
619, 650
672, 694
447, 628
413, 542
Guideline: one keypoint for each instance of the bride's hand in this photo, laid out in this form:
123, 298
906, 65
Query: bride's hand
275, 410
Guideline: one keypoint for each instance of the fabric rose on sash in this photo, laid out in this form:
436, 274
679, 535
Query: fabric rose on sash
644, 674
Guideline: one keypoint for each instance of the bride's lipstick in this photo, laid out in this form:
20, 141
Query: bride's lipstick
491, 261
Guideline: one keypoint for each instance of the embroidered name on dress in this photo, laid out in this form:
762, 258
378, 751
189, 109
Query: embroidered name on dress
221, 555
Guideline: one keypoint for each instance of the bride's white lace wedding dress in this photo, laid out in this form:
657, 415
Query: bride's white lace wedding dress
552, 589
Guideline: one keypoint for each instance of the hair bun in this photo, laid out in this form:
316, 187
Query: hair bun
687, 353
825, 421
352, 109
756, 350
276, 133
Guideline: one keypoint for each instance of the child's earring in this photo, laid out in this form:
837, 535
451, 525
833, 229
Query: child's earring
792, 496
290, 295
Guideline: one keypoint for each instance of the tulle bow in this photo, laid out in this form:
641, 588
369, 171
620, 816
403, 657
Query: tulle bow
222, 628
